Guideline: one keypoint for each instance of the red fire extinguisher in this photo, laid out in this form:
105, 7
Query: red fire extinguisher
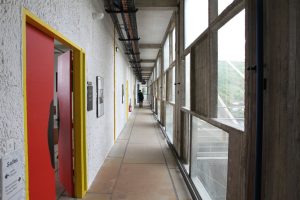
130, 106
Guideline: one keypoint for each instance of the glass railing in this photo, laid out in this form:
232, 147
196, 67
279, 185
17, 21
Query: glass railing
209, 160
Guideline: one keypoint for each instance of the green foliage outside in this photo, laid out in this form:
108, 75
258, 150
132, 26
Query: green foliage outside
231, 86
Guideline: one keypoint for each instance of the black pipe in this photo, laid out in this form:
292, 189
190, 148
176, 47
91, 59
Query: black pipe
259, 98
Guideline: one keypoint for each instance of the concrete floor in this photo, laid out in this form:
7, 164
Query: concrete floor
140, 166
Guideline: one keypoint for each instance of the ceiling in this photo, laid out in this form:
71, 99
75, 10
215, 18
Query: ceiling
141, 26
153, 18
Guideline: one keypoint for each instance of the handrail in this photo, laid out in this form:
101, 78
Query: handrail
215, 122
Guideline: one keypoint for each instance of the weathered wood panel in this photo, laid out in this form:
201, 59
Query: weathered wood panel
200, 77
281, 147
236, 167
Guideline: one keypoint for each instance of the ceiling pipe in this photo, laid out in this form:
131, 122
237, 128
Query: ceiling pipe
130, 41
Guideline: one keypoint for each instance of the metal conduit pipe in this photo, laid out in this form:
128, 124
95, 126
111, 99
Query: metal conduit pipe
128, 12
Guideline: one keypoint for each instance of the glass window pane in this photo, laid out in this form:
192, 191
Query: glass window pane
173, 84
186, 140
158, 67
231, 71
156, 88
209, 160
164, 87
156, 71
174, 44
188, 81
170, 82
195, 19
166, 54
158, 109
159, 88
169, 121
222, 4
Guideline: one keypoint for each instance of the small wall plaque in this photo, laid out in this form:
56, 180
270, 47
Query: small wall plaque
100, 96
89, 96
11, 181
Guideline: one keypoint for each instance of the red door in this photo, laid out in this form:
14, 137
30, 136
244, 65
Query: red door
39, 79
65, 158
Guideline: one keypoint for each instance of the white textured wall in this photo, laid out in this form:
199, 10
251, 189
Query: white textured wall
73, 18
124, 74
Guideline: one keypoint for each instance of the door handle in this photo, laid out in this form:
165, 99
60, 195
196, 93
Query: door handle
50, 134
58, 117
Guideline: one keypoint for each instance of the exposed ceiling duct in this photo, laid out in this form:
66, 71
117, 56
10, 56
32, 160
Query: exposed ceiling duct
123, 14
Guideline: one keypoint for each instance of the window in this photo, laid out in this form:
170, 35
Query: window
222, 4
195, 19
159, 88
150, 79
169, 121
188, 81
209, 160
166, 54
164, 87
154, 72
156, 88
185, 128
158, 110
154, 104
158, 65
174, 44
173, 85
231, 71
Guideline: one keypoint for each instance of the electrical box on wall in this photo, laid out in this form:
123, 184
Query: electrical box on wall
10, 176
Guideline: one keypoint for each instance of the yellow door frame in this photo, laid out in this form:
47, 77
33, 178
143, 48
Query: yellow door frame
80, 169
127, 100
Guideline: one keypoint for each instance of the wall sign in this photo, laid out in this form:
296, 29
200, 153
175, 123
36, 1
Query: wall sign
89, 96
100, 96
11, 181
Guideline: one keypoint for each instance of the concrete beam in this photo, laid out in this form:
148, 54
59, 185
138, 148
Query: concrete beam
160, 4
148, 61
149, 46
147, 68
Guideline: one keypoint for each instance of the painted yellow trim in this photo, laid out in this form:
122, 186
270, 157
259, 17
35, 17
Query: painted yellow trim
127, 103
79, 125
84, 120
79, 102
115, 102
47, 29
25, 104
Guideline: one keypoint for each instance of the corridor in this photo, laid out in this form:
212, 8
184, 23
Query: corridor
140, 166
220, 83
